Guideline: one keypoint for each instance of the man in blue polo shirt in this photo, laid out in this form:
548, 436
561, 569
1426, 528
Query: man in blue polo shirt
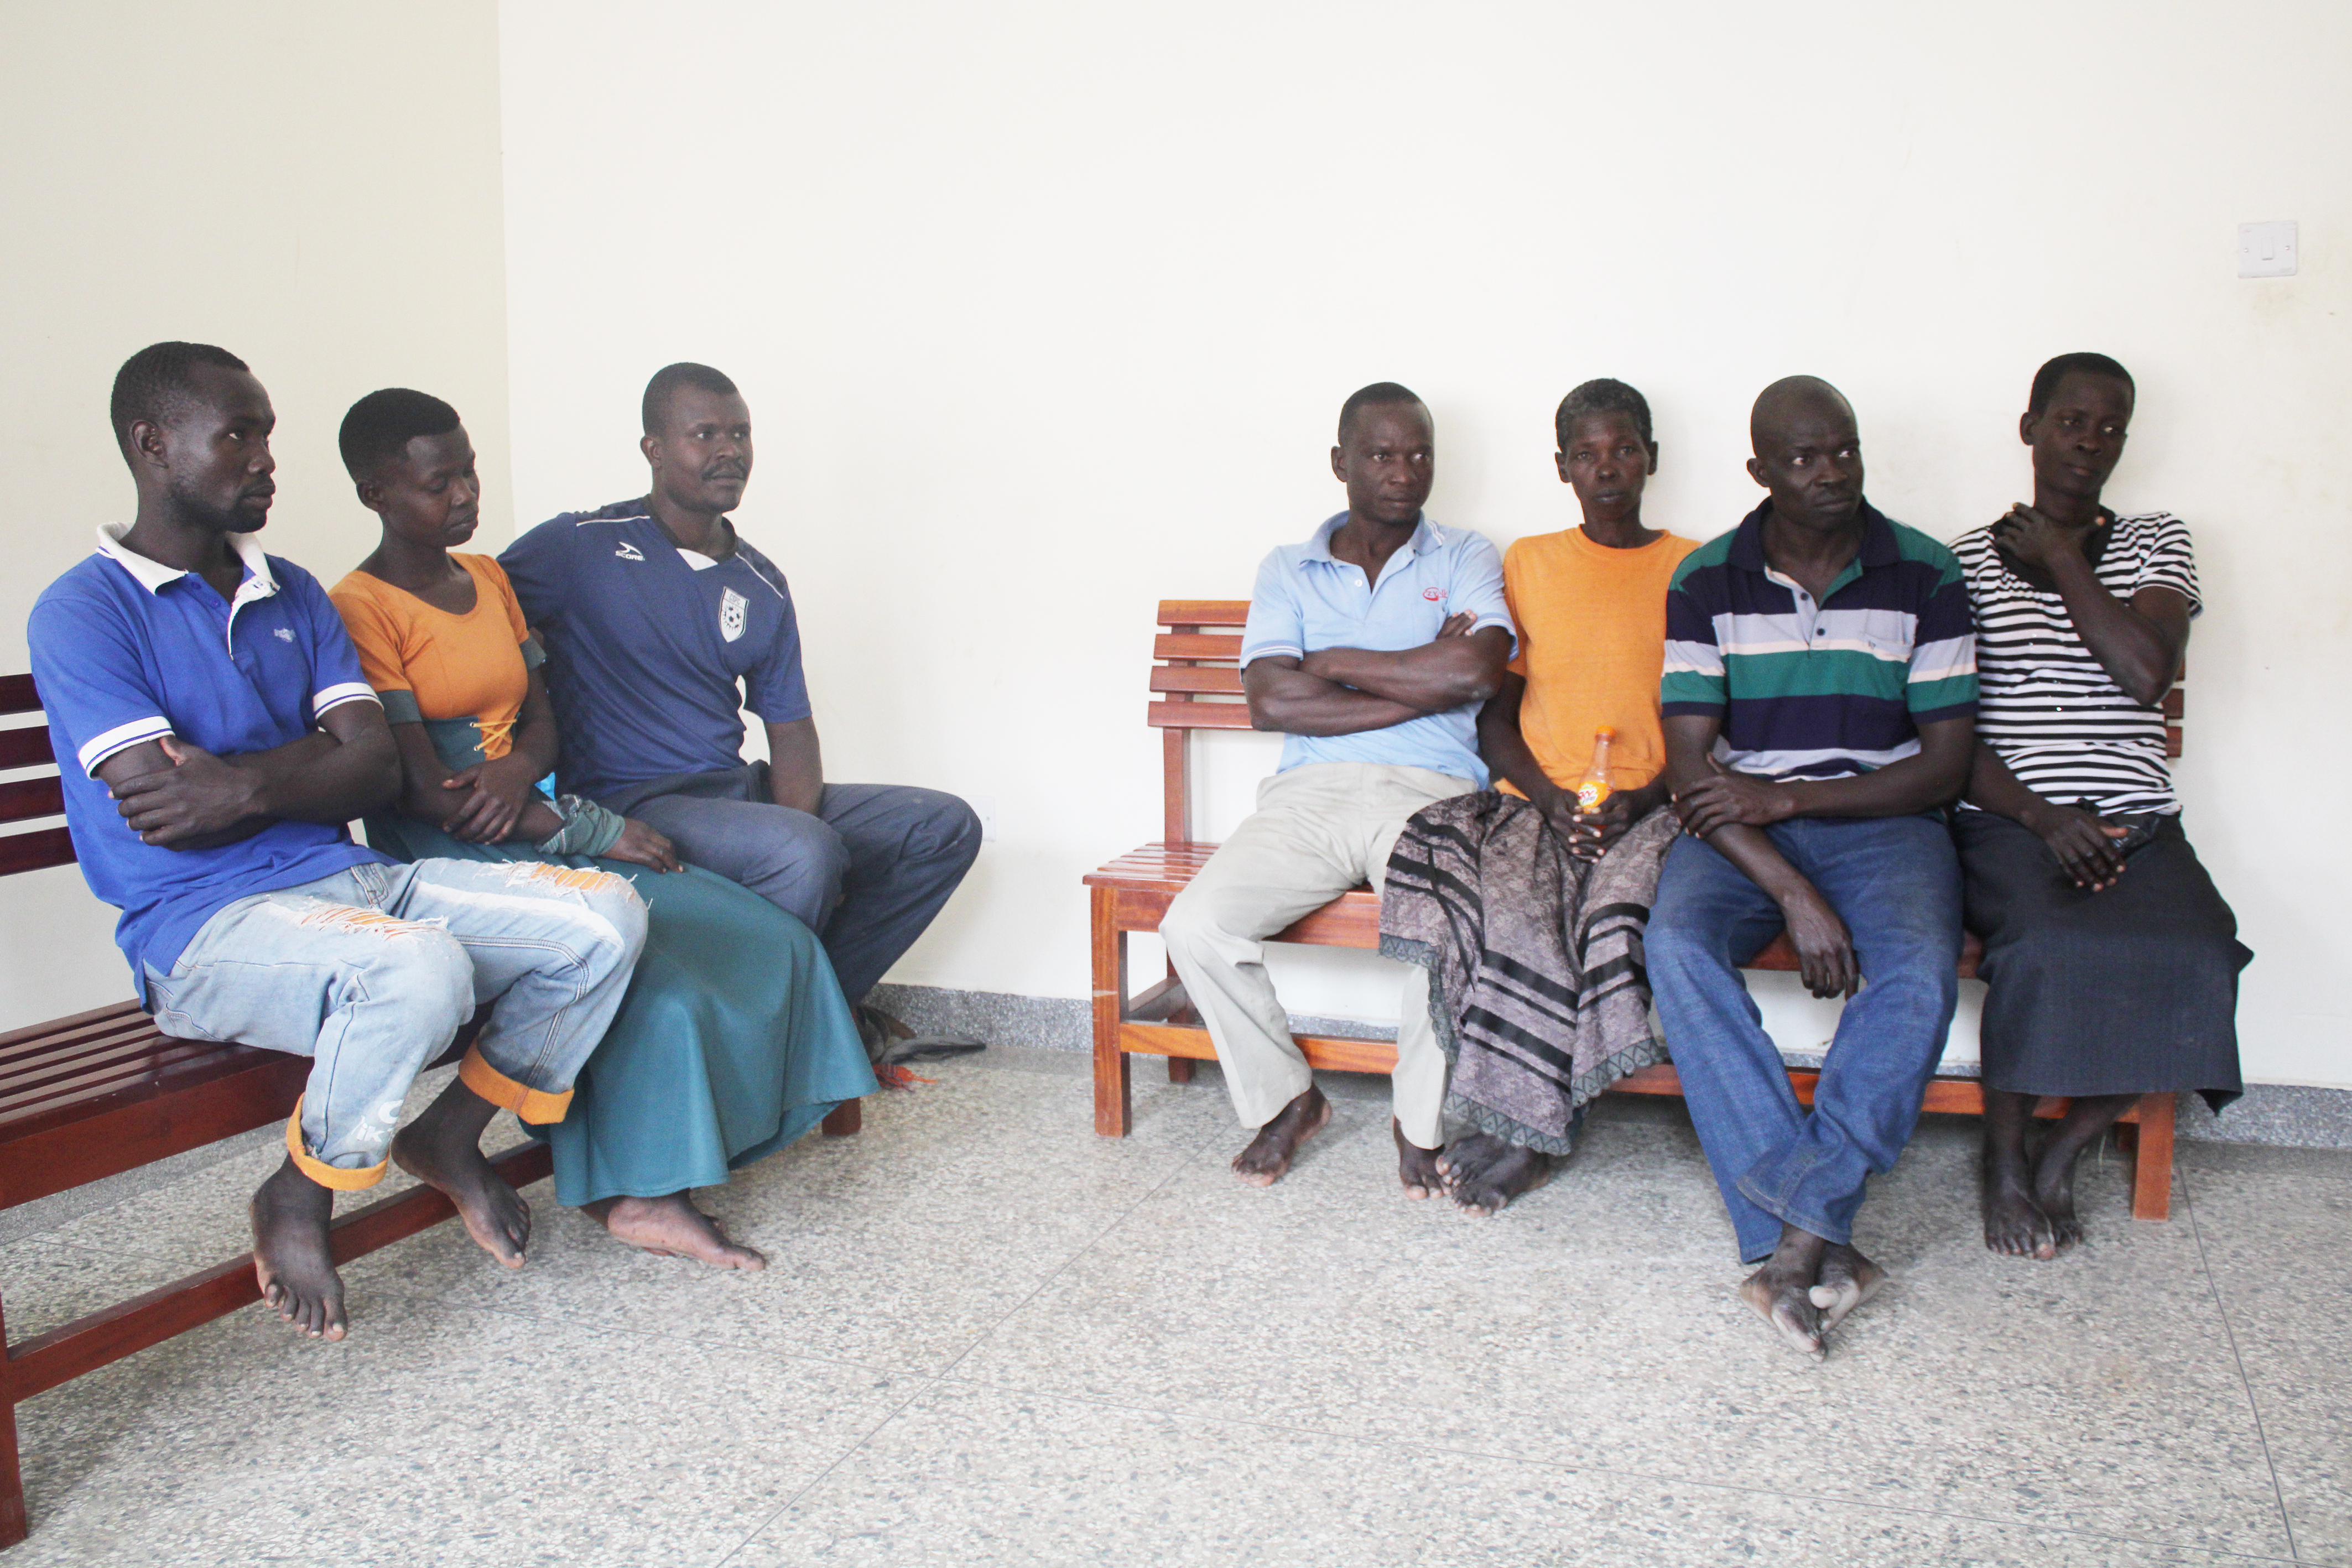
1818, 706
1371, 646
661, 626
216, 735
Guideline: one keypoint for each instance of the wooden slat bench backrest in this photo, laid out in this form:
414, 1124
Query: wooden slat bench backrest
28, 797
1196, 683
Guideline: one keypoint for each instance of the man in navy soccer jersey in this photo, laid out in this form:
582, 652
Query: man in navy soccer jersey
661, 626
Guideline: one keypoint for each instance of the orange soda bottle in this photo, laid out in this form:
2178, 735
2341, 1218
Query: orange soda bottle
1594, 788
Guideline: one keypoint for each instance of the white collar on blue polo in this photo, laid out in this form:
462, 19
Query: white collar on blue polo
153, 574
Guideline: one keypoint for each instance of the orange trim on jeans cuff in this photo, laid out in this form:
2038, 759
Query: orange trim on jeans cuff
533, 1105
333, 1177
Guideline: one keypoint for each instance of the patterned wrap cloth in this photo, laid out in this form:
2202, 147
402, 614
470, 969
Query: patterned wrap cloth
1536, 982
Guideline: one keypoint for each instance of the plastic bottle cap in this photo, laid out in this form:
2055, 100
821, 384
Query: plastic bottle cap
1604, 733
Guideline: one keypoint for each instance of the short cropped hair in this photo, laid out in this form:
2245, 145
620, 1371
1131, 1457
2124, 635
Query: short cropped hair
1378, 393
664, 387
1602, 396
155, 383
2046, 378
380, 426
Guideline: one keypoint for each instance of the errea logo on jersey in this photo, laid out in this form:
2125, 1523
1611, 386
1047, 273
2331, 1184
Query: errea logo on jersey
628, 552
283, 635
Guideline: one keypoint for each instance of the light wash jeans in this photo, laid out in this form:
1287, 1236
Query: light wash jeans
372, 971
1896, 882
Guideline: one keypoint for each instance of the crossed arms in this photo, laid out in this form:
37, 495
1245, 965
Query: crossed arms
1345, 691
177, 796
2139, 643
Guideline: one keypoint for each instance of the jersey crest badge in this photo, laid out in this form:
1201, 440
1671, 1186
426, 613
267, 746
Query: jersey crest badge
732, 606
628, 552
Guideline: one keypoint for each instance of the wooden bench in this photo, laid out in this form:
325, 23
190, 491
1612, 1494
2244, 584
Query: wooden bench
1196, 686
102, 1092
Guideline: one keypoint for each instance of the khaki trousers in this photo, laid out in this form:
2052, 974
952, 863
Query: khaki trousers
1319, 831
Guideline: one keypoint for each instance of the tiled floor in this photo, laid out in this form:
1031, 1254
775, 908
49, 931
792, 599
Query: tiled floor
990, 1337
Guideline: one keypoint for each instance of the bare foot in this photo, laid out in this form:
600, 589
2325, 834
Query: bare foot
2014, 1225
1848, 1280
1420, 1170
1780, 1292
2053, 1191
443, 1149
671, 1227
1484, 1172
291, 1258
1277, 1143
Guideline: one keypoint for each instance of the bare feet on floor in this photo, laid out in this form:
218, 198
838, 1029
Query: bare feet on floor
2054, 1191
1848, 1279
443, 1149
1485, 1173
1780, 1292
672, 1227
1420, 1170
1277, 1143
2014, 1225
291, 1257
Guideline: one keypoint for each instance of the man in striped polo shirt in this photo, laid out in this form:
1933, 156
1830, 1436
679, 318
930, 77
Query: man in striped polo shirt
1818, 706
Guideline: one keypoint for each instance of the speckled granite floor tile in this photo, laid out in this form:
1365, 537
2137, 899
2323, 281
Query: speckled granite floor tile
1597, 1316
435, 1435
976, 1476
2280, 1245
1570, 1382
895, 1247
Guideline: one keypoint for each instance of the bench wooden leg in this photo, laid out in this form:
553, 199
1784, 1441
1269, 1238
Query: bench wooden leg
1114, 1103
13, 1524
844, 1120
2152, 1167
12, 1527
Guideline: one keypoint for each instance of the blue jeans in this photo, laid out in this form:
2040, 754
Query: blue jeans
867, 870
1896, 882
371, 972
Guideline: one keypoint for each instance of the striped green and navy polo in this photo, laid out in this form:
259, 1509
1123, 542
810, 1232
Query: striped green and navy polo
1824, 690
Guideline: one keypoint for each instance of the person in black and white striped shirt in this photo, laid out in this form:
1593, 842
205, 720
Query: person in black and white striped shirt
2112, 959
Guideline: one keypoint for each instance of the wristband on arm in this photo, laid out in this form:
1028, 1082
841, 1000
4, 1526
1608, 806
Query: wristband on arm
588, 828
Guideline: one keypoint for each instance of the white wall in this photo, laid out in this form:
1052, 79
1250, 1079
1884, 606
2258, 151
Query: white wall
1045, 310
314, 187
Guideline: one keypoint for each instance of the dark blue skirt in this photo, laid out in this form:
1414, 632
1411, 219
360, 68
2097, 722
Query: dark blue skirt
2129, 991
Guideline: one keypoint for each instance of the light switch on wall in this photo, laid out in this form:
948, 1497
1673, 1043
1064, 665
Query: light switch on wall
2266, 250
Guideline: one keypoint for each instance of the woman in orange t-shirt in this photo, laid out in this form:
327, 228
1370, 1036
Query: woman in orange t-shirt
1526, 911
733, 1039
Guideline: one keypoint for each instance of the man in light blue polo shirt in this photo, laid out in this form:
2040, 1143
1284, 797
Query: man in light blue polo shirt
1370, 647
217, 734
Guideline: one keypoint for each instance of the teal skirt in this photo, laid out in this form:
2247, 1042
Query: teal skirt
732, 1042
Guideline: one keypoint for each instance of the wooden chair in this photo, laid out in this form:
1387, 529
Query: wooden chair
1196, 686
102, 1092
